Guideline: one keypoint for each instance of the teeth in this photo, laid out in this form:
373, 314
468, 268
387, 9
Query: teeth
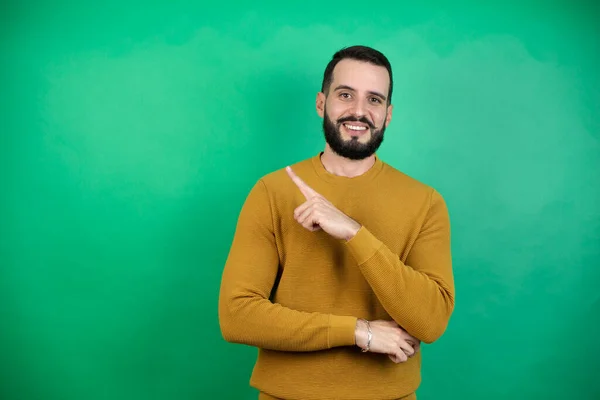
356, 128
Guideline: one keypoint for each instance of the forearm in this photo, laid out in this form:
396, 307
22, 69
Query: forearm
252, 320
418, 294
420, 303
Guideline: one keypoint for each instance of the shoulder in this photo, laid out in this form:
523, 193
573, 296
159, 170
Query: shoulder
409, 186
279, 179
401, 179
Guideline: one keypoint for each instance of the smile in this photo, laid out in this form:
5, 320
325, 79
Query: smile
355, 127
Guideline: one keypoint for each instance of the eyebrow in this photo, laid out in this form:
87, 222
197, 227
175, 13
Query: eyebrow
350, 88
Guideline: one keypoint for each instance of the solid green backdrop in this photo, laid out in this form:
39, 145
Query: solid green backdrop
131, 133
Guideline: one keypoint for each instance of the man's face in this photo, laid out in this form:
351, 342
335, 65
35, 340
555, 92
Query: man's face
355, 111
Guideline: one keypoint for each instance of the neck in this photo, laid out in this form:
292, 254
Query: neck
341, 166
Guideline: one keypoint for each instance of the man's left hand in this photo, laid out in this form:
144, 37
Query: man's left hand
318, 213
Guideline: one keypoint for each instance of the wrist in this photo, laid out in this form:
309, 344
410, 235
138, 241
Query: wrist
360, 333
363, 334
352, 230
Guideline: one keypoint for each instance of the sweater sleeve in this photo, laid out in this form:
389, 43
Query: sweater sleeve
418, 295
246, 313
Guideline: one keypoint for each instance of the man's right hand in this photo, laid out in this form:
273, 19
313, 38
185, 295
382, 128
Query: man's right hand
388, 338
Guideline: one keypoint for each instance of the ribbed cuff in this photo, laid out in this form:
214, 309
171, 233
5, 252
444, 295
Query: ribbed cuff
341, 330
363, 245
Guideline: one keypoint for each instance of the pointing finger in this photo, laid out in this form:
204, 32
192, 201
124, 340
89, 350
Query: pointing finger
306, 190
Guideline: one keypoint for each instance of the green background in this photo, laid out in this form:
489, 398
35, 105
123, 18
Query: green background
131, 133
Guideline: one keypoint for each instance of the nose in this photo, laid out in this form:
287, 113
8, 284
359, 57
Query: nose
360, 109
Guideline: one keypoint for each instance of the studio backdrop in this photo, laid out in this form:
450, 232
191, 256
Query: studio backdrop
132, 131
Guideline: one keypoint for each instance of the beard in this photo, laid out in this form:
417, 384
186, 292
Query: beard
352, 149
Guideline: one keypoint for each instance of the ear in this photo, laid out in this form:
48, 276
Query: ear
389, 115
321, 104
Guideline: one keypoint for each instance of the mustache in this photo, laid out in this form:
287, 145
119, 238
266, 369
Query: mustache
354, 119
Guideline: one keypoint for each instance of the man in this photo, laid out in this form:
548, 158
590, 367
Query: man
340, 265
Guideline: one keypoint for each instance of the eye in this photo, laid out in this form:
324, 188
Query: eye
375, 100
345, 95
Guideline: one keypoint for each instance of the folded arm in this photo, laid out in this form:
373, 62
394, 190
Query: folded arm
418, 295
246, 314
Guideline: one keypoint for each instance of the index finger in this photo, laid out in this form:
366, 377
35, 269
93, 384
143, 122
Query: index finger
306, 190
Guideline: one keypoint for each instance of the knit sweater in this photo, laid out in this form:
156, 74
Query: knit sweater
297, 294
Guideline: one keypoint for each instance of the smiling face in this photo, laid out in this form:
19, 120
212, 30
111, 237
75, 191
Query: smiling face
355, 109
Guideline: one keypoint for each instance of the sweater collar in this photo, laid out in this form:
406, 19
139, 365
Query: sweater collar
327, 176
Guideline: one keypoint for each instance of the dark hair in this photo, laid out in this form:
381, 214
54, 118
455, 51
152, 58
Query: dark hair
359, 53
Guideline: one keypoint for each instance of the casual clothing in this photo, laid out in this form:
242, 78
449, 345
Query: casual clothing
296, 294
264, 396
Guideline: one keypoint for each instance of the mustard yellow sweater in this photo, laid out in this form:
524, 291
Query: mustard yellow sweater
296, 294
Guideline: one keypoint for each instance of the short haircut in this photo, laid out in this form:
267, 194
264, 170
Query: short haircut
359, 53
